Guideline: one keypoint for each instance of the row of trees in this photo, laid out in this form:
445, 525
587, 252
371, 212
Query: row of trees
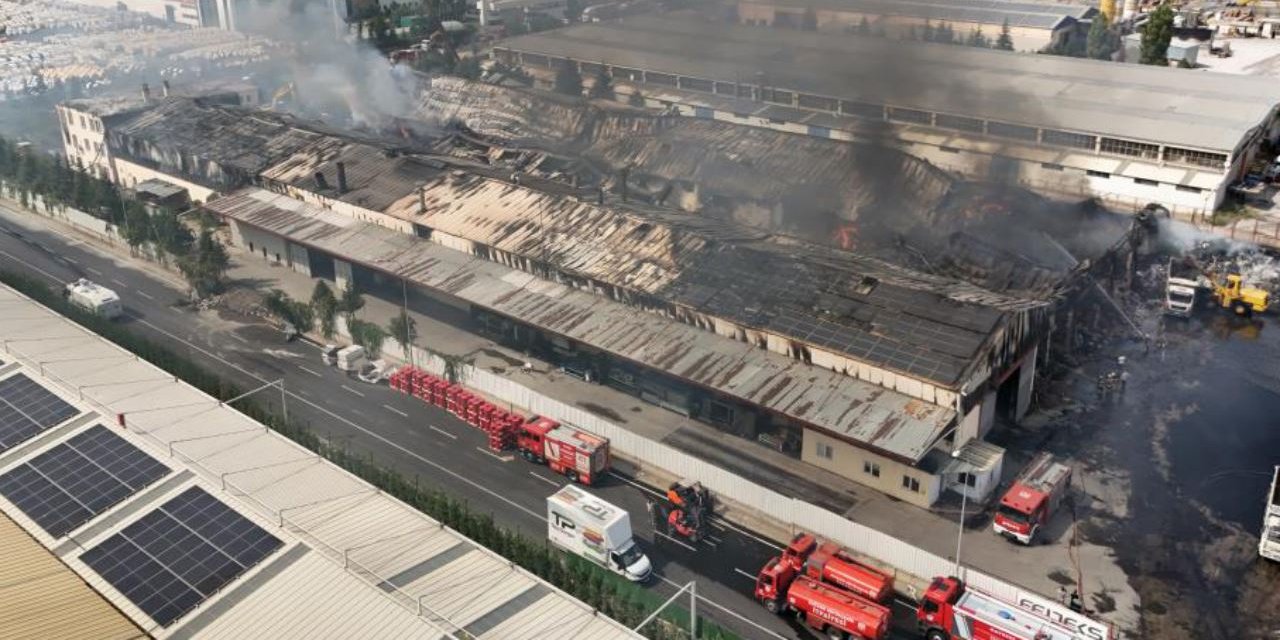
325, 307
36, 178
609, 594
1104, 39
944, 33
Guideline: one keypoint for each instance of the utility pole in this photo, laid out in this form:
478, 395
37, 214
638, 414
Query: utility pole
404, 309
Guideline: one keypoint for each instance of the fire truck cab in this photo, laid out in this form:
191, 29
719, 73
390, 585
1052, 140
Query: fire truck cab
951, 611
1032, 500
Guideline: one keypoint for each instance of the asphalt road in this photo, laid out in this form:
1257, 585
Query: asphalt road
417, 439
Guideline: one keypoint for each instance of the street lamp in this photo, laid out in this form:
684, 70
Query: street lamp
964, 499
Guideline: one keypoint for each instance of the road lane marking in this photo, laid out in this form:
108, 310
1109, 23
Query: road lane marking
546, 480
446, 433
745, 574
725, 524
70, 260
120, 282
235, 336
679, 542
352, 390
310, 371
635, 484
714, 539
144, 294
42, 271
94, 271
496, 456
395, 410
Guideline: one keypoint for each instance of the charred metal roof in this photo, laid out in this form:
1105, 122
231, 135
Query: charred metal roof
375, 177
1026, 15
1210, 111
869, 415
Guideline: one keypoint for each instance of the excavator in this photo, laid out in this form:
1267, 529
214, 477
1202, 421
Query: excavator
686, 511
1231, 294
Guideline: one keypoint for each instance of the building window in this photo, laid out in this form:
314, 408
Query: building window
1184, 188
1067, 139
83, 123
959, 123
862, 110
1052, 167
726, 88
660, 78
720, 413
776, 96
694, 84
910, 484
1098, 174
967, 479
1015, 131
948, 149
810, 101
871, 468
1146, 182
910, 115
824, 450
1198, 158
1130, 148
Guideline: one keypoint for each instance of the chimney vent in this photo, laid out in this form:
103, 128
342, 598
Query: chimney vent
146, 92
321, 183
342, 177
164, 88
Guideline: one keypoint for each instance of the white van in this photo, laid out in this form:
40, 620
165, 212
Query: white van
94, 298
585, 525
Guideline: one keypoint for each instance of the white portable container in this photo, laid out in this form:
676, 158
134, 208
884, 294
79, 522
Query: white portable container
351, 358
94, 298
583, 524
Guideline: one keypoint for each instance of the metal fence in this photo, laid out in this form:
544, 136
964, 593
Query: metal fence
798, 514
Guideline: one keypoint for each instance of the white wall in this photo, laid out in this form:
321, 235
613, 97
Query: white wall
129, 174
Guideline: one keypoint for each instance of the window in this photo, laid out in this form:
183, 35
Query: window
810, 101
910, 484
871, 468
776, 96
910, 115
1145, 182
1198, 158
967, 479
1184, 188
1067, 139
948, 149
660, 78
958, 123
862, 110
1098, 174
725, 88
83, 123
824, 450
1052, 167
1015, 131
721, 413
1130, 148
694, 84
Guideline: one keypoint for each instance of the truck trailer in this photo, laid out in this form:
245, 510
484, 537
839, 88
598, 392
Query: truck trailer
1029, 505
94, 298
585, 525
578, 455
949, 610
824, 607
1269, 544
829, 563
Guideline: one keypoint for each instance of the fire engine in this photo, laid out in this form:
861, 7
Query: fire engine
826, 608
1030, 503
827, 562
578, 455
951, 611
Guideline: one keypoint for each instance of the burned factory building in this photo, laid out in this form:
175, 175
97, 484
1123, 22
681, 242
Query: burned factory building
870, 336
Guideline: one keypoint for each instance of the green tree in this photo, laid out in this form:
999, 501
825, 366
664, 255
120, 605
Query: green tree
1156, 35
325, 307
205, 266
636, 99
368, 335
864, 27
1103, 39
568, 81
945, 34
286, 309
977, 39
601, 86
351, 301
170, 234
404, 329
928, 34
1004, 41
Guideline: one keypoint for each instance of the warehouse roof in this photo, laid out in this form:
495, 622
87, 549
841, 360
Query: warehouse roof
862, 412
296, 547
1019, 14
43, 598
1159, 105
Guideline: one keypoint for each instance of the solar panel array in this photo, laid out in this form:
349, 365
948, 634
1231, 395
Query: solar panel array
27, 409
172, 559
75, 481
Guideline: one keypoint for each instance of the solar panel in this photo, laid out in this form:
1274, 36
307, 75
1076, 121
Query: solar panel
172, 559
27, 409
71, 483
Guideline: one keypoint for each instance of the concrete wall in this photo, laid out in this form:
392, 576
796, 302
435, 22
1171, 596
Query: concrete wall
851, 462
261, 245
129, 174
84, 141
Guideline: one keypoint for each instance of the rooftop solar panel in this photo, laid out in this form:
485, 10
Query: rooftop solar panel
172, 559
27, 409
71, 483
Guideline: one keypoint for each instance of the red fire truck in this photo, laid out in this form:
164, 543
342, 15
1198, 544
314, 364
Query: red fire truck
580, 456
827, 562
828, 609
1032, 500
950, 611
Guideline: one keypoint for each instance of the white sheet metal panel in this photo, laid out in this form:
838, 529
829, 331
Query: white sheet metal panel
314, 598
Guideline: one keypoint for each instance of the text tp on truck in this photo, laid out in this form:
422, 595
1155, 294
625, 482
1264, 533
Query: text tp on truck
1030, 503
578, 455
585, 525
825, 607
949, 610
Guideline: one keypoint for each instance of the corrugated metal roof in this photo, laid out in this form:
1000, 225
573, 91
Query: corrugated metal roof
332, 523
40, 597
1165, 106
869, 414
988, 12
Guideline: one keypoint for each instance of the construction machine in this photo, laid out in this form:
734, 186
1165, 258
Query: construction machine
1231, 294
685, 512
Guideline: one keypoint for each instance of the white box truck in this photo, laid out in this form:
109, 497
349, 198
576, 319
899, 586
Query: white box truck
351, 359
94, 298
1269, 544
585, 525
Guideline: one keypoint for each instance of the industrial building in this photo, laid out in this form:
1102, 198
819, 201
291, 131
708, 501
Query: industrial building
193, 520
1124, 134
1032, 25
855, 362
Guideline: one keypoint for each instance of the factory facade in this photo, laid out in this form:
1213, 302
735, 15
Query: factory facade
880, 381
1060, 126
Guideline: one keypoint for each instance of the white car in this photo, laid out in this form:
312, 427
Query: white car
373, 373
